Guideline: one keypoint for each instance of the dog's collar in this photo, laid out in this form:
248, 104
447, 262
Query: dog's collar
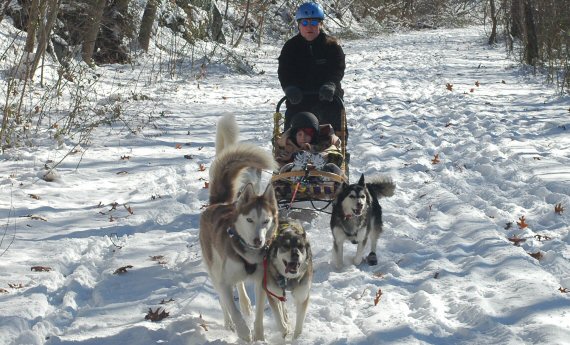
233, 234
280, 282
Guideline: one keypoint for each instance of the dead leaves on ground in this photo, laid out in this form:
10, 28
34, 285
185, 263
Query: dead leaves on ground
36, 217
122, 270
40, 268
114, 209
435, 159
449, 86
558, 209
378, 296
160, 259
538, 255
156, 315
517, 240
522, 223
542, 237
203, 323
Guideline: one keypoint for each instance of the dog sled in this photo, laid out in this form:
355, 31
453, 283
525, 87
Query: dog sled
309, 184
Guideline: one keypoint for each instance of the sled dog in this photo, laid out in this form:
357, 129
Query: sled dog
357, 217
289, 267
227, 134
234, 230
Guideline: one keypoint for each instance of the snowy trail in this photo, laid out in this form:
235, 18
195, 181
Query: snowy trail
475, 179
447, 271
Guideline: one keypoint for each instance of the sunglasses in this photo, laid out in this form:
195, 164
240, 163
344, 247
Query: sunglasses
313, 22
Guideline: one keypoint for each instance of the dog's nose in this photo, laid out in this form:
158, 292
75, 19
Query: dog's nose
294, 254
257, 242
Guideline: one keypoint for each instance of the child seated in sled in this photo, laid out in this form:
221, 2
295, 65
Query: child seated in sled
306, 144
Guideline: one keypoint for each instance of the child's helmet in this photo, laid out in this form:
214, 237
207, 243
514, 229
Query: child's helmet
310, 10
304, 119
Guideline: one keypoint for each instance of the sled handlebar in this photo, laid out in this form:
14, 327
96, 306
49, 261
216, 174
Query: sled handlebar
336, 99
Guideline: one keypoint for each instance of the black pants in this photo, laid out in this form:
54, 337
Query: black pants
326, 112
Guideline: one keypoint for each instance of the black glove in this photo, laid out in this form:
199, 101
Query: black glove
294, 94
326, 92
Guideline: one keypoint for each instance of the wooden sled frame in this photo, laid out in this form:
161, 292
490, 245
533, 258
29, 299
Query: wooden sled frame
299, 186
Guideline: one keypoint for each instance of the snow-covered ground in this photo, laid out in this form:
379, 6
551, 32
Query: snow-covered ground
447, 270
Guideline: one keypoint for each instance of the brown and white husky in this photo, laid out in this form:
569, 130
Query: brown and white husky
234, 230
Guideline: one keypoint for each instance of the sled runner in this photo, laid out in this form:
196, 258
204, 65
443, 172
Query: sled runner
307, 183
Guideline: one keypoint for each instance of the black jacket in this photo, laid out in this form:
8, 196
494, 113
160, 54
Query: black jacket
308, 65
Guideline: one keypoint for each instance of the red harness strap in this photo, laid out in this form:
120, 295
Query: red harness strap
281, 298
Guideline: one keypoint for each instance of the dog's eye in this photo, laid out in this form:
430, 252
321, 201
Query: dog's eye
362, 197
249, 220
352, 196
266, 221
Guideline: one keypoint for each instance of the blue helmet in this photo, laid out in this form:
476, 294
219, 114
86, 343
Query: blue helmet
310, 10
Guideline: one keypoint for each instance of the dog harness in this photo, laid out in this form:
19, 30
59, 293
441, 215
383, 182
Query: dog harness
249, 267
282, 282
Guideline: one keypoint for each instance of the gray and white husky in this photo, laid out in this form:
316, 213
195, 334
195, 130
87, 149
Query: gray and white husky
235, 230
357, 217
289, 267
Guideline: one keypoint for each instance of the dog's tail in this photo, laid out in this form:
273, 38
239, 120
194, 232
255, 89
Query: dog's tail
381, 186
227, 132
227, 166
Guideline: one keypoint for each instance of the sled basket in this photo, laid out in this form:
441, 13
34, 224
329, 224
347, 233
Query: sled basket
294, 187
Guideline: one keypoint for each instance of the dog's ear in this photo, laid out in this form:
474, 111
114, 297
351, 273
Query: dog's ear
269, 193
361, 181
246, 194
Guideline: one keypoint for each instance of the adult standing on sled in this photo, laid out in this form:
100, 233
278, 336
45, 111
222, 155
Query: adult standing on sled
311, 67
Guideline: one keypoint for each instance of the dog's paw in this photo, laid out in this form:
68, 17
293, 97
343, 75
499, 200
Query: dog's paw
258, 337
229, 325
372, 259
357, 260
285, 331
244, 332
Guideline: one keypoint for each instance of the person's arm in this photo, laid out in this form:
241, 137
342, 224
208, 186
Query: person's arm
286, 70
337, 64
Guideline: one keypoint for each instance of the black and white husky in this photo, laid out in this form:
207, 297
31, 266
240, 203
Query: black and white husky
289, 267
357, 217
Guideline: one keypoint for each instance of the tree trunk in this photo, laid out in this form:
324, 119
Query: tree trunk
517, 19
23, 70
32, 26
260, 29
146, 24
217, 24
531, 46
493, 36
45, 32
3, 5
244, 23
92, 29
